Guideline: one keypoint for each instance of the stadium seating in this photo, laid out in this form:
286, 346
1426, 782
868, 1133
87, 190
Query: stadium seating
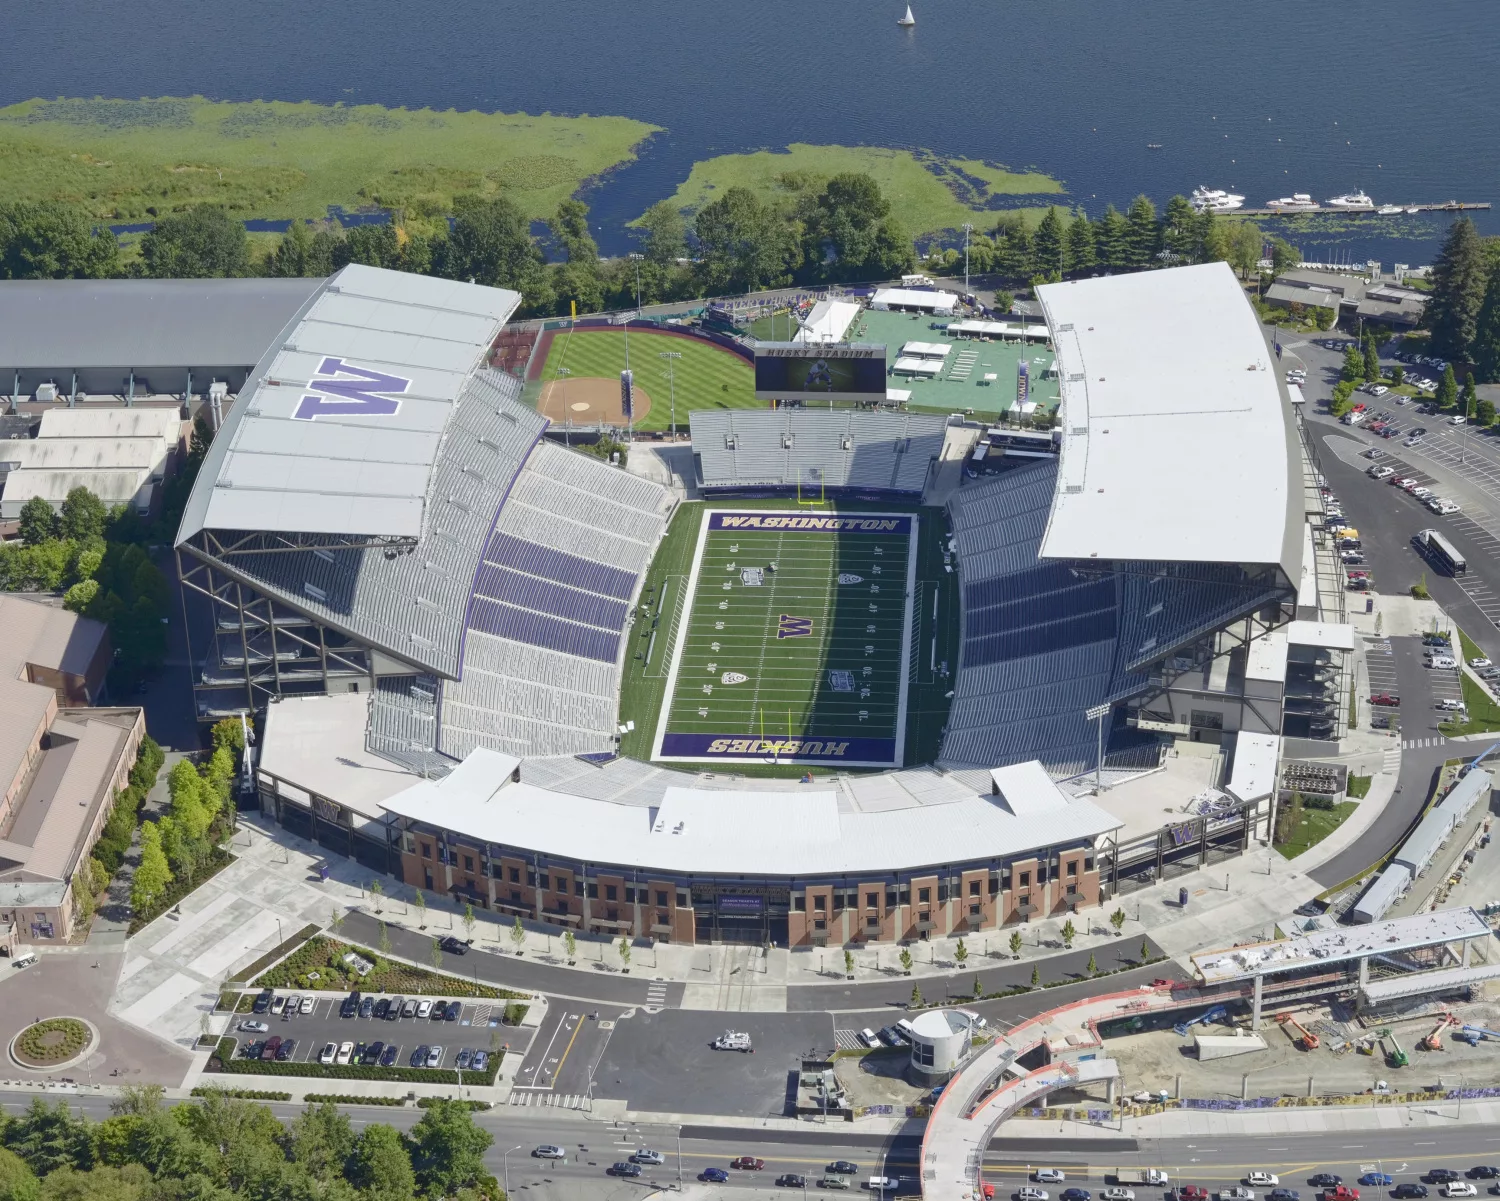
550, 605
403, 724
852, 449
1045, 640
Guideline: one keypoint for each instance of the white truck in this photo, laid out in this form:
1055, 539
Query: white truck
733, 1040
1140, 1176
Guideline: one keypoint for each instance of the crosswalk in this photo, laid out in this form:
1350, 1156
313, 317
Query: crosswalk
1392, 761
656, 995
847, 1040
545, 1099
1412, 744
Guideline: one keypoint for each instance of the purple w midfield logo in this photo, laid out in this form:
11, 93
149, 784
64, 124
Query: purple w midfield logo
347, 390
793, 627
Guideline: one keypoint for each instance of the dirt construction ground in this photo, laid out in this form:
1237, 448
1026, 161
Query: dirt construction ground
589, 400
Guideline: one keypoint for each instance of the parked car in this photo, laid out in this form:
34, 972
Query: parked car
393, 1010
465, 1056
480, 1062
419, 1056
309, 1003
349, 1006
388, 1056
455, 946
454, 1009
326, 1055
346, 1052
293, 1003
1480, 661
410, 1006
367, 1007
262, 1003
373, 1053
434, 1057
382, 1007
273, 1044
1380, 698
250, 1026
278, 1006
424, 1008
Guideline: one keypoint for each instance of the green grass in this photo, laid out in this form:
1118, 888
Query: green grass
1358, 787
1469, 647
1483, 714
1315, 826
129, 160
855, 627
927, 192
706, 377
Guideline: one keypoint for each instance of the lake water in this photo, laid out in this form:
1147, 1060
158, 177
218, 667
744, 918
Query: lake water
1399, 99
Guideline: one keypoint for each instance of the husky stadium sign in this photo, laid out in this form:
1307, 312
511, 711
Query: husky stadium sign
811, 524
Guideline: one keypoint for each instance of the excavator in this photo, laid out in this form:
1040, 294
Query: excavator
1309, 1040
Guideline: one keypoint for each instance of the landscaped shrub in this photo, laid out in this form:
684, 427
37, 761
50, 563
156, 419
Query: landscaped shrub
242, 1094
325, 956
52, 1040
350, 1099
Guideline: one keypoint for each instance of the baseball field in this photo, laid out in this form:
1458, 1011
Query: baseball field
580, 377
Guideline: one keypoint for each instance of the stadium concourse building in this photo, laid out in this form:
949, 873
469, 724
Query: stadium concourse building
426, 604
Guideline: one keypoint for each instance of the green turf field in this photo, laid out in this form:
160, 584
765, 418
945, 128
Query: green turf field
705, 377
805, 663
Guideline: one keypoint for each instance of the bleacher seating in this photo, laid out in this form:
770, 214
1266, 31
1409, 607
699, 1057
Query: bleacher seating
550, 605
1043, 641
835, 449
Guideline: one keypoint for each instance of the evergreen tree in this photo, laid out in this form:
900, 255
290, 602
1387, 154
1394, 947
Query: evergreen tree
1111, 240
1182, 236
1015, 249
577, 279
1353, 369
1468, 400
302, 252
1485, 347
1484, 413
1050, 245
1080, 246
1371, 360
1447, 391
491, 243
1144, 238
1458, 279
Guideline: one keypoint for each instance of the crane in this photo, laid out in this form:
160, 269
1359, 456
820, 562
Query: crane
1395, 1056
1310, 1041
1204, 1018
1434, 1041
1474, 1035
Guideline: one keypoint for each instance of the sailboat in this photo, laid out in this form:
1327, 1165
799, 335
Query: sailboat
907, 21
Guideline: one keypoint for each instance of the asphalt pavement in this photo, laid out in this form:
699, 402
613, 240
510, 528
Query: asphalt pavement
526, 973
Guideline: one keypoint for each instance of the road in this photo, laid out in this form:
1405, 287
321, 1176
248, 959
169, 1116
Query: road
1215, 1160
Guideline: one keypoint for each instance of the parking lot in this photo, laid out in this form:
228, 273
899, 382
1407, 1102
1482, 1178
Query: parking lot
477, 1027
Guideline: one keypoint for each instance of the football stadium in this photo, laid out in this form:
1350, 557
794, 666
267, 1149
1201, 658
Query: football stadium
836, 672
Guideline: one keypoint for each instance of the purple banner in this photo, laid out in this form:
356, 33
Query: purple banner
889, 523
810, 748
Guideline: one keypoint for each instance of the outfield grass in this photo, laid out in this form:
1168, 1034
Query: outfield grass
130, 160
706, 377
927, 192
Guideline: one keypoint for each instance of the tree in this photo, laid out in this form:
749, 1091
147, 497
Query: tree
38, 522
491, 243
385, 939
623, 947
321, 1139
1485, 345
379, 1166
848, 962
447, 1149
518, 936
435, 953
17, 1181
570, 945
1117, 919
48, 1137
153, 875
960, 954
302, 252
1244, 248
1015, 248
1145, 950
1284, 256
1144, 237
1353, 369
849, 232
905, 958
419, 903
229, 734
1015, 943
1372, 361
1398, 375
1093, 968
1181, 234
1050, 243
47, 240
1447, 391
1467, 400
1459, 278
469, 921
1484, 413
744, 244
336, 919
1036, 976
664, 235
578, 278
916, 997
203, 242
1080, 253
1069, 932
1111, 240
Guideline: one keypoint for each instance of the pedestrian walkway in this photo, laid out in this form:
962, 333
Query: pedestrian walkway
1412, 744
526, 1097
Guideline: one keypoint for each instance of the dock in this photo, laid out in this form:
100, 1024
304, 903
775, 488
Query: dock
1447, 206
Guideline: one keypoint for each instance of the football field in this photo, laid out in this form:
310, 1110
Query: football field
794, 640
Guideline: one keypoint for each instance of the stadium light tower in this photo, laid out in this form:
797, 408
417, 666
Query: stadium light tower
671, 356
968, 229
1098, 713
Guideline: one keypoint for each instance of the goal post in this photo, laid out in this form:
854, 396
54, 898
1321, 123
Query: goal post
805, 496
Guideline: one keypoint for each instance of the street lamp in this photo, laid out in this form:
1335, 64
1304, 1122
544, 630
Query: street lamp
968, 229
1098, 713
505, 1166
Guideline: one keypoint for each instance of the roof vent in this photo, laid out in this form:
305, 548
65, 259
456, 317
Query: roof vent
315, 592
495, 446
510, 417
786, 441
1073, 488
459, 505
1080, 431
1075, 377
1065, 329
728, 441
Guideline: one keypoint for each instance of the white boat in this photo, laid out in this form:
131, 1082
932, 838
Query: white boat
1297, 202
1351, 200
1215, 199
907, 20
1389, 210
1412, 208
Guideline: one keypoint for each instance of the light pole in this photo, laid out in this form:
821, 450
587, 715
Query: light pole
968, 229
671, 356
1097, 714
505, 1166
679, 1155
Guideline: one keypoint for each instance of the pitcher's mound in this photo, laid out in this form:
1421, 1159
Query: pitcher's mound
589, 399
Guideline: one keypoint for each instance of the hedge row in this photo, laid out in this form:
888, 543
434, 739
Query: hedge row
271, 956
429, 1102
119, 827
223, 1060
350, 1099
325, 956
180, 886
241, 1094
